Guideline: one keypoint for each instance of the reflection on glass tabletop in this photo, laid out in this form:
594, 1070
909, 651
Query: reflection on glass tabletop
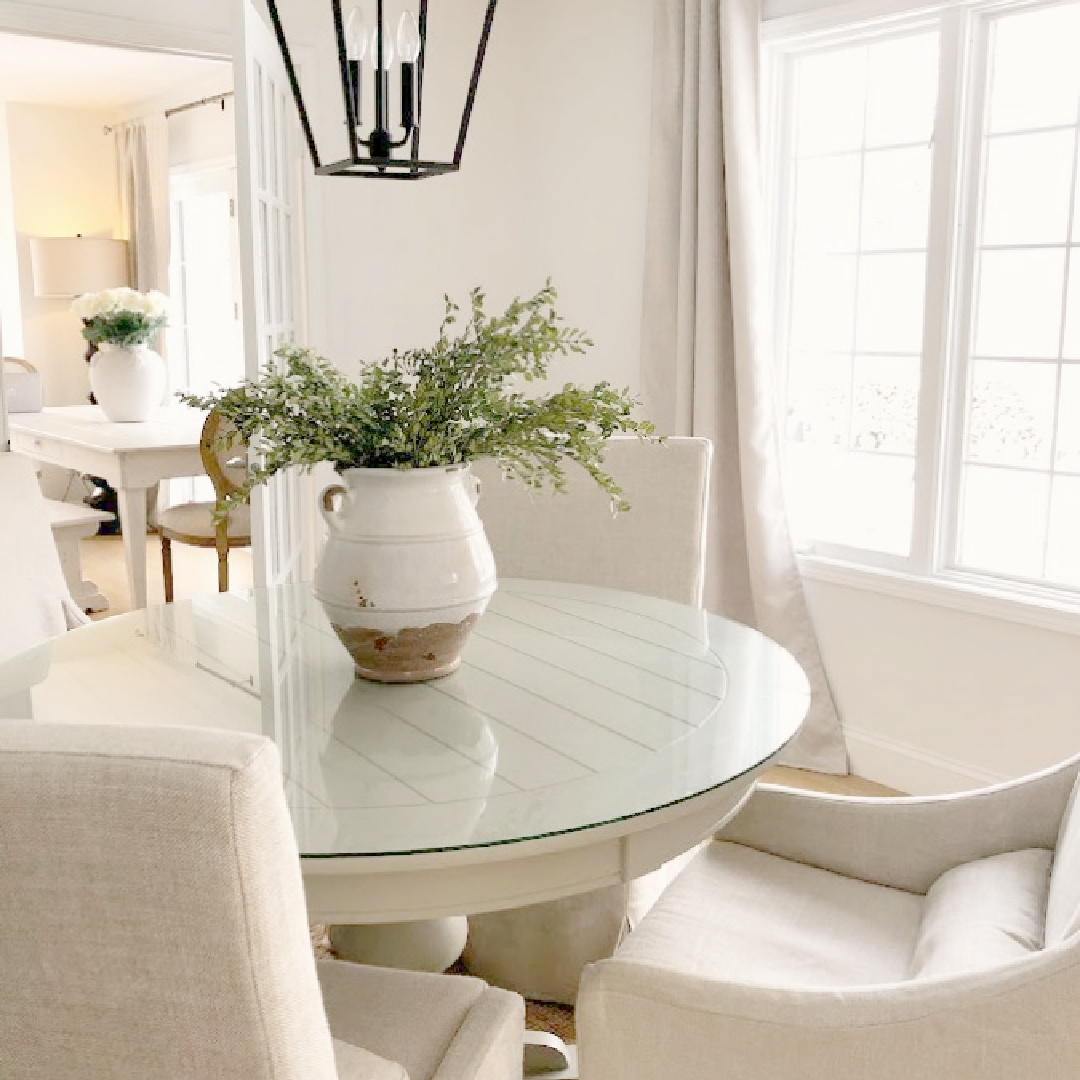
574, 706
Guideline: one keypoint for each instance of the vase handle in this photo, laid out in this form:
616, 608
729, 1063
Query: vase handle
327, 505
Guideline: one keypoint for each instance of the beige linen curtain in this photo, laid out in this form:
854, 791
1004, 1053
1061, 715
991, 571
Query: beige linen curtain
142, 170
142, 160
707, 366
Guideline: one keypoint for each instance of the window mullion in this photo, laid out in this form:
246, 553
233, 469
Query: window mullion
970, 153
931, 449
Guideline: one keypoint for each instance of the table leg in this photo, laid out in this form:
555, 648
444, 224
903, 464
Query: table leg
131, 503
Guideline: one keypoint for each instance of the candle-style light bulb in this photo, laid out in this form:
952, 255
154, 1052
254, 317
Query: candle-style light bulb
408, 47
356, 41
356, 38
408, 38
384, 61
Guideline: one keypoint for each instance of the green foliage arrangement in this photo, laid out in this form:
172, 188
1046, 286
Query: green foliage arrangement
458, 400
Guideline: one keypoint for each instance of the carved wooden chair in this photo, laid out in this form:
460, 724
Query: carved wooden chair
224, 457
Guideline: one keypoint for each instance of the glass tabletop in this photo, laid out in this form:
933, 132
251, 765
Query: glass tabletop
574, 707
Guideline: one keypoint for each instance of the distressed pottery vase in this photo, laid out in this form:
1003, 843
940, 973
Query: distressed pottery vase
407, 569
128, 381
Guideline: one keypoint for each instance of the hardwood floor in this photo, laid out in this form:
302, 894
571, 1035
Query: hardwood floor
194, 571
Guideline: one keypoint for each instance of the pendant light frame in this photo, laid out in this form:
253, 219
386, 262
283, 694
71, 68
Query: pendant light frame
361, 163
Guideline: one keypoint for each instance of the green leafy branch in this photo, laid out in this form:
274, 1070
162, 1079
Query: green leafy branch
452, 402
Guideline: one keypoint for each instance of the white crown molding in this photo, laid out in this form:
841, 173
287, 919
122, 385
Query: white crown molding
97, 29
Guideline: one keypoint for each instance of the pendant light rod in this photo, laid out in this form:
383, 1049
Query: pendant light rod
294, 83
470, 100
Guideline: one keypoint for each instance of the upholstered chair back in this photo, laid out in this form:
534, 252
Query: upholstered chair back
152, 921
1063, 901
35, 603
656, 548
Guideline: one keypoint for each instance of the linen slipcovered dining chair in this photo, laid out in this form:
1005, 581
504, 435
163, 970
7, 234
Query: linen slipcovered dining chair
831, 938
656, 548
224, 457
35, 602
154, 928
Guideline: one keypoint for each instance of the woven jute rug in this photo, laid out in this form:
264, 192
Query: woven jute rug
539, 1015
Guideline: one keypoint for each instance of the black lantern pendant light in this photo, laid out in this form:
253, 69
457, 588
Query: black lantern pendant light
387, 149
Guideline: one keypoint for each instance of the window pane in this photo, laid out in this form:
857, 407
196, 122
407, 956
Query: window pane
896, 199
1068, 440
1011, 421
1002, 520
823, 304
890, 309
1035, 77
891, 118
1071, 349
1063, 541
830, 101
861, 500
886, 403
819, 399
1028, 182
1018, 303
827, 203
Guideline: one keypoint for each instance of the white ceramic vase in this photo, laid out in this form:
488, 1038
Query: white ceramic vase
407, 569
128, 381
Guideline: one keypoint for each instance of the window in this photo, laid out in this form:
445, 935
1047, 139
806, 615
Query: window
927, 279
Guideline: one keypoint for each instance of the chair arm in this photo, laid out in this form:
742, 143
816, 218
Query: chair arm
447, 1027
639, 1022
905, 842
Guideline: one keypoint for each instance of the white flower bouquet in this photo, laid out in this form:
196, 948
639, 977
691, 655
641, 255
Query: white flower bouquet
121, 316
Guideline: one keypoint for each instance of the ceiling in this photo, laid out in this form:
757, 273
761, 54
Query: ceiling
45, 71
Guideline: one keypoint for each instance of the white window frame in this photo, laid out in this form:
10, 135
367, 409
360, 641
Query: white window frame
924, 575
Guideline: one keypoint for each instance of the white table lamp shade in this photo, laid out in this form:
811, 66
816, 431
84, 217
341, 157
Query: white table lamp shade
66, 266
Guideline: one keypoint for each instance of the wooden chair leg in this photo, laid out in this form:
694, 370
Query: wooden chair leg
222, 562
166, 567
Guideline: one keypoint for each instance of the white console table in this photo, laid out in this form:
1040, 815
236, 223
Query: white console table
131, 457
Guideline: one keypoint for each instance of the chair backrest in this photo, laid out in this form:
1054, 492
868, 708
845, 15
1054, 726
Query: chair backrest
1063, 902
34, 597
657, 547
152, 920
224, 454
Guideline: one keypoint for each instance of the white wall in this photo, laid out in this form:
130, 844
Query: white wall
552, 184
937, 699
11, 335
63, 179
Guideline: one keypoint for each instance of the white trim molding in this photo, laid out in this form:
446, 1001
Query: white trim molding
97, 29
975, 598
910, 769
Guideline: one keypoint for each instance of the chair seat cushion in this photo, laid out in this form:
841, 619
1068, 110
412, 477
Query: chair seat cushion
196, 519
982, 914
744, 916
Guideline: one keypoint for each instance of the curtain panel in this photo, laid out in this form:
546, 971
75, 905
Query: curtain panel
707, 362
142, 160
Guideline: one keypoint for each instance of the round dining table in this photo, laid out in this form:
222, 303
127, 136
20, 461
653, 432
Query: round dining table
589, 735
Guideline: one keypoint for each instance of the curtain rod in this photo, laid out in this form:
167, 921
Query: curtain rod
108, 129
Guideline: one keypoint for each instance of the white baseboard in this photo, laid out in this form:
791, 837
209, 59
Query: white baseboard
909, 768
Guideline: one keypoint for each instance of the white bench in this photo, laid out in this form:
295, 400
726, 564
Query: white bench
70, 523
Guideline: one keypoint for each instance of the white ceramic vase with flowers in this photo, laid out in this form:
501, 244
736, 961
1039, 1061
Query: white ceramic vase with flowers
127, 377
